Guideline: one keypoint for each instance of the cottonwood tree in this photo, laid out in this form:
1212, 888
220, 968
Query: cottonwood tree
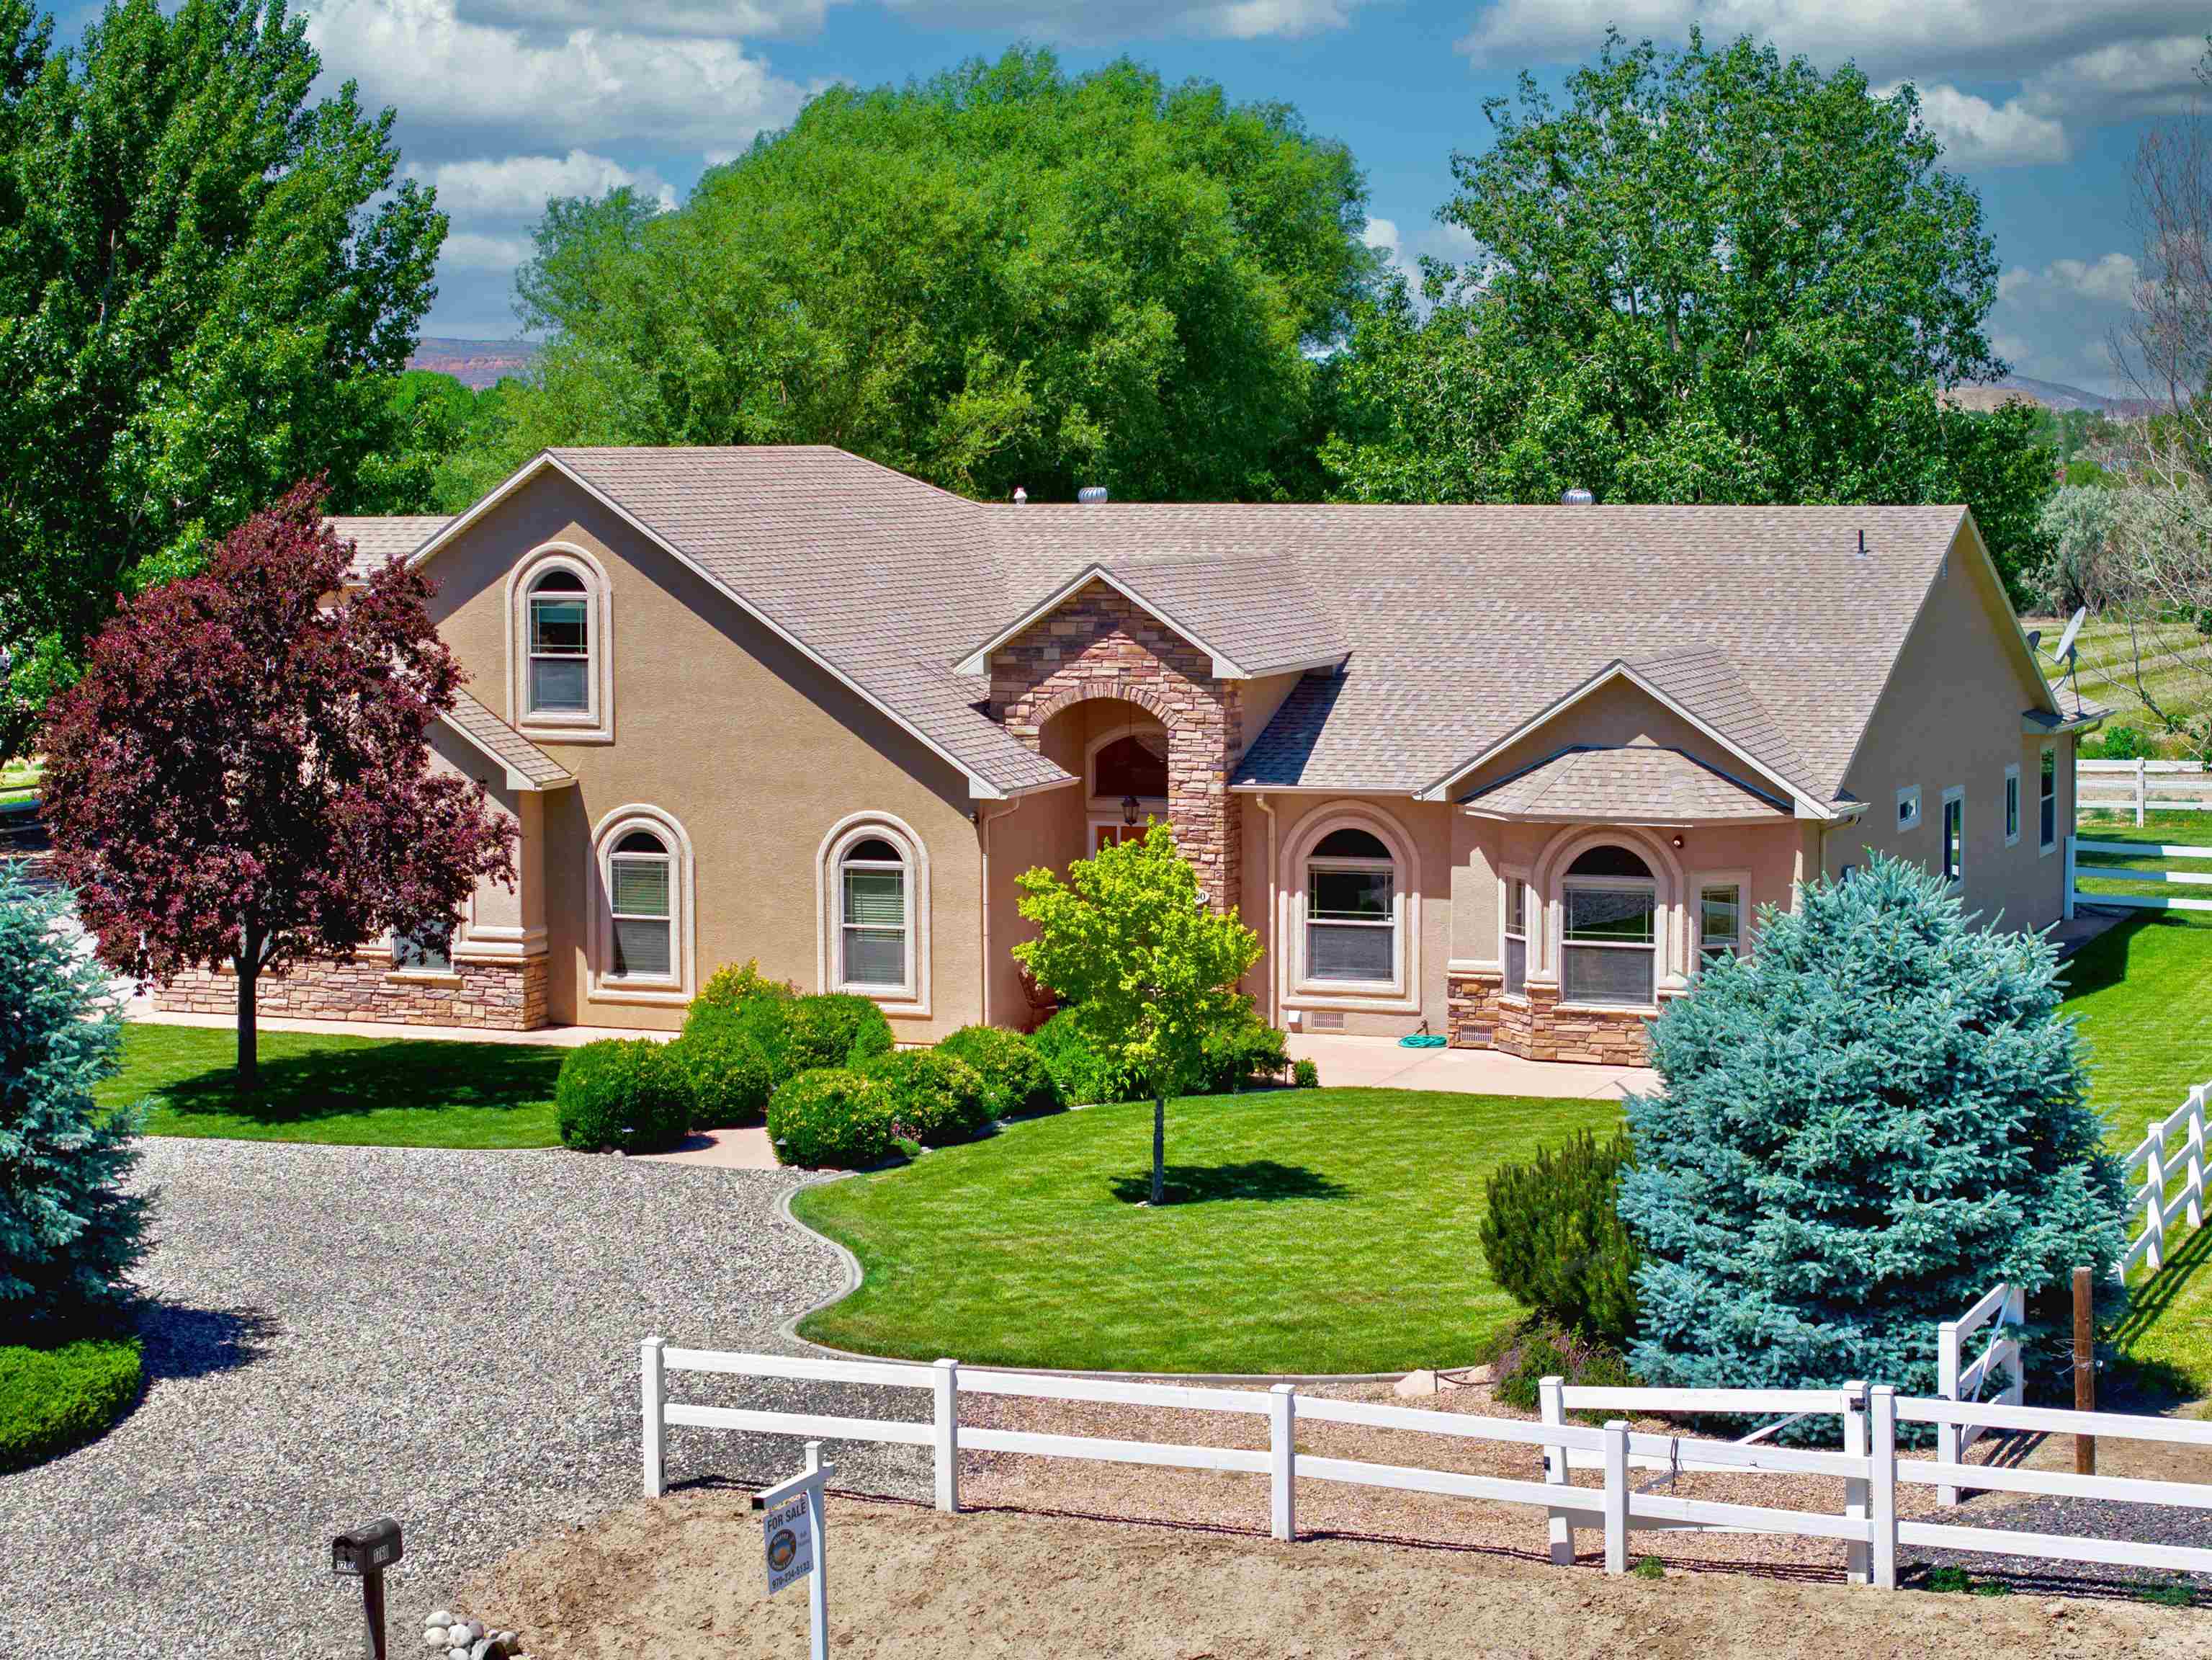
242, 778
1144, 967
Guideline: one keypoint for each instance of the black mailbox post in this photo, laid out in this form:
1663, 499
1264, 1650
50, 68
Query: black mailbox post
364, 1553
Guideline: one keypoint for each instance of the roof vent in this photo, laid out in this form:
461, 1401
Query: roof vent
1021, 496
1577, 497
1091, 494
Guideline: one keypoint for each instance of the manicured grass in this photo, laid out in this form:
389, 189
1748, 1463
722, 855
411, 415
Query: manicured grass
2106, 872
1318, 1230
382, 1092
54, 1399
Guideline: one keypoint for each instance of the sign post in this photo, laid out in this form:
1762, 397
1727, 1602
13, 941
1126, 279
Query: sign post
793, 1544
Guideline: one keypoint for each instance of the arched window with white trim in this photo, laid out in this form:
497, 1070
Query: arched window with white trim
1352, 909
559, 680
641, 899
874, 879
1608, 929
560, 677
642, 947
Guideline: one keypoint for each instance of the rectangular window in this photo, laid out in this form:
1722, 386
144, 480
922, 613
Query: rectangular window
1955, 835
429, 953
1516, 936
1608, 951
644, 916
1720, 921
1908, 807
2047, 798
560, 655
875, 927
1351, 923
2012, 804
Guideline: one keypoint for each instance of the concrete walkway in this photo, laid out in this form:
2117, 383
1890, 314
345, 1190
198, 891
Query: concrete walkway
1380, 1063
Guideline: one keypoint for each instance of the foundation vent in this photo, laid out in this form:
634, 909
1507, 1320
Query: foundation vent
1325, 1020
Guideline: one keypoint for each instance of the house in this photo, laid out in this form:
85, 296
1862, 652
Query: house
1508, 773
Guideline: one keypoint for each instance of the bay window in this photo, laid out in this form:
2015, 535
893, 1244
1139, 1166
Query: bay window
1608, 939
1516, 936
1352, 909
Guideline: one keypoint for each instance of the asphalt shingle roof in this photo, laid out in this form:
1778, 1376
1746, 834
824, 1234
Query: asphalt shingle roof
496, 737
1633, 783
378, 540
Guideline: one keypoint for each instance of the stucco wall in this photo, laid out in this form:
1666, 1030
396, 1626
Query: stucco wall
754, 750
1951, 716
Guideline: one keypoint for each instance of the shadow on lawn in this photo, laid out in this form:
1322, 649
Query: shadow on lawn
2148, 1384
336, 1083
1253, 1178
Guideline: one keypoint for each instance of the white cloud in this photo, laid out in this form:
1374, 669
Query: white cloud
514, 189
1122, 20
1977, 133
749, 20
473, 250
2058, 323
2109, 280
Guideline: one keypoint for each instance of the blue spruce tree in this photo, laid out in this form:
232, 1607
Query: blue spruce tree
1867, 1122
69, 1232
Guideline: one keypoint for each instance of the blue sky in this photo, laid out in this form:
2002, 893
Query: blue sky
501, 102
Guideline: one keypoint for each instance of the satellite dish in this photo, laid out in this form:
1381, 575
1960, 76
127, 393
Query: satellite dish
2064, 653
2035, 639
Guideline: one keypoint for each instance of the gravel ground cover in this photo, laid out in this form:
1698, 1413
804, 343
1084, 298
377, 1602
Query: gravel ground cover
450, 1338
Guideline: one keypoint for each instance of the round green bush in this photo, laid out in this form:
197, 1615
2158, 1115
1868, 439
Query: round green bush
54, 1399
1553, 1236
1304, 1075
729, 1075
937, 1098
735, 984
1243, 1048
835, 1028
623, 1094
832, 1117
1081, 1075
1015, 1080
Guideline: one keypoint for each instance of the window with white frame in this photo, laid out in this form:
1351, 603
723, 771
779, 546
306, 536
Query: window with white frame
1352, 909
2047, 798
1720, 921
1908, 807
558, 651
1516, 936
872, 917
1608, 932
2012, 804
1954, 834
429, 951
641, 897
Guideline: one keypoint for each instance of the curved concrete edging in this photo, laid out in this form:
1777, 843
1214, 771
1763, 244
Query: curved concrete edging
789, 1329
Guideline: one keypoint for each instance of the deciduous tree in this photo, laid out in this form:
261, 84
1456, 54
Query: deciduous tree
242, 779
1127, 942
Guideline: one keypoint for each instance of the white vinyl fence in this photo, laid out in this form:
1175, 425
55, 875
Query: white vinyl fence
1870, 1467
2076, 871
2172, 1147
2137, 786
2003, 1309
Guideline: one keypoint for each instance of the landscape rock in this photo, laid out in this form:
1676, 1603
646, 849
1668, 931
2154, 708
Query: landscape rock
1415, 1383
440, 1619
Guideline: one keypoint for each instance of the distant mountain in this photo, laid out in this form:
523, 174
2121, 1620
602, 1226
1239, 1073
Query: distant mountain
2051, 394
478, 363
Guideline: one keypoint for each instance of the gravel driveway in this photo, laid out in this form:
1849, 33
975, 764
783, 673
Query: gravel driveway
450, 1338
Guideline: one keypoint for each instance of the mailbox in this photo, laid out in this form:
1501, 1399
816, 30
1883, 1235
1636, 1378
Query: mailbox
366, 1551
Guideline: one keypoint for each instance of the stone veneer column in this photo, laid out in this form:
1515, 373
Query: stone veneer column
1100, 644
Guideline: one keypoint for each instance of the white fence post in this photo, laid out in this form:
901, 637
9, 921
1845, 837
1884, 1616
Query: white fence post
2142, 789
1882, 1508
1283, 1461
654, 1392
2197, 1156
1858, 1557
2015, 1320
1616, 1495
2155, 1196
945, 1422
1555, 1469
1948, 1444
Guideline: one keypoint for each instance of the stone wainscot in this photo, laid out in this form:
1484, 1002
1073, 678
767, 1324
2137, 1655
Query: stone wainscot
1536, 1028
499, 993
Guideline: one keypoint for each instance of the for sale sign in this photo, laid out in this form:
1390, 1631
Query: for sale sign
787, 1542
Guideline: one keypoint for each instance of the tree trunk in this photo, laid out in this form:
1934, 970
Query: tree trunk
249, 971
1159, 1149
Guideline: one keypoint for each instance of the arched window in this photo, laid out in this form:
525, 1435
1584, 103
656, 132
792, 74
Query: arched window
560, 649
872, 932
1352, 909
1609, 934
642, 895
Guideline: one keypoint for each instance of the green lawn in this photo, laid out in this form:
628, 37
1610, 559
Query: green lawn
2106, 872
1322, 1231
382, 1092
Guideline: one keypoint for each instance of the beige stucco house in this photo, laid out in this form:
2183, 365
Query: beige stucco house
1507, 773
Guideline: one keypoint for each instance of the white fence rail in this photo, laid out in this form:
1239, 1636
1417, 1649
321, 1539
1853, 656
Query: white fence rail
2171, 1146
2003, 1309
1869, 1467
2137, 787
2076, 871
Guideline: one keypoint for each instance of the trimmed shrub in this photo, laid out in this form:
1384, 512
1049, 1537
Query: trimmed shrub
53, 1399
835, 1028
1081, 1075
1015, 1079
729, 1074
833, 1117
1244, 1047
735, 984
937, 1098
1304, 1075
1554, 1240
629, 1095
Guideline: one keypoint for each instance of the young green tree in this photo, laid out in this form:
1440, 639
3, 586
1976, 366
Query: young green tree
1863, 1125
1147, 969
207, 277
69, 1231
1704, 275
1002, 275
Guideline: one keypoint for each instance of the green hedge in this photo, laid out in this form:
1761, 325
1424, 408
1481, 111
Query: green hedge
623, 1094
729, 1074
1244, 1049
1081, 1076
53, 1399
936, 1098
734, 984
832, 1118
1015, 1079
805, 1034
1554, 1240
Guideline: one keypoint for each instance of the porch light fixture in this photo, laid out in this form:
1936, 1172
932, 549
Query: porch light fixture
1677, 841
1129, 809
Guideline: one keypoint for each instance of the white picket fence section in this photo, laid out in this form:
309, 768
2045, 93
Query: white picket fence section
2125, 786
2175, 1141
2004, 1309
2076, 871
1869, 1467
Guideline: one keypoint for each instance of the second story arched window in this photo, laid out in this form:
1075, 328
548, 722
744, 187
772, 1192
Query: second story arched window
560, 649
562, 676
